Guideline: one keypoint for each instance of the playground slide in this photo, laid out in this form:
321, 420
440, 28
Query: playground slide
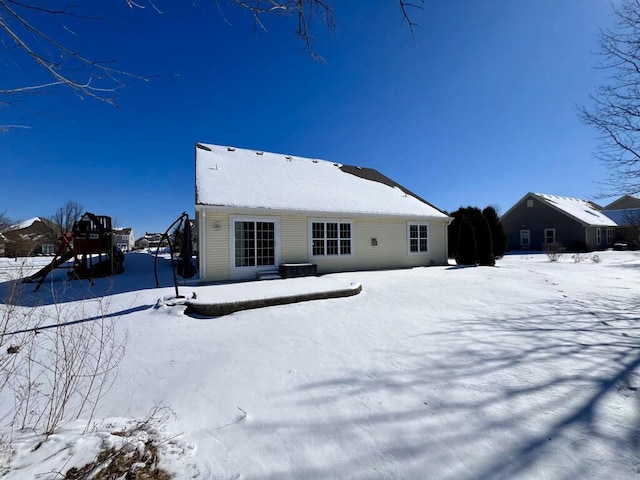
65, 257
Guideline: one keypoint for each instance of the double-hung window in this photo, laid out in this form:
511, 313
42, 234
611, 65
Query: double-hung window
331, 238
549, 236
598, 236
611, 236
418, 235
525, 238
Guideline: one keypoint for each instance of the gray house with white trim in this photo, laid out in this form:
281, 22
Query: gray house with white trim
257, 210
539, 219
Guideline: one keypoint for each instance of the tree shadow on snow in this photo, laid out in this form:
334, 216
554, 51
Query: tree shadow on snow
498, 397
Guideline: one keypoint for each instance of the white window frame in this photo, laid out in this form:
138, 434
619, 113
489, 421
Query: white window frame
528, 236
553, 234
232, 242
611, 236
325, 239
419, 238
598, 236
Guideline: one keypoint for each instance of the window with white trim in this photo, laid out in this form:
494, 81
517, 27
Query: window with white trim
418, 236
549, 236
254, 243
525, 238
598, 236
611, 236
331, 238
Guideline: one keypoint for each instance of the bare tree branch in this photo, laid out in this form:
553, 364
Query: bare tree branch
21, 30
615, 109
404, 7
84, 76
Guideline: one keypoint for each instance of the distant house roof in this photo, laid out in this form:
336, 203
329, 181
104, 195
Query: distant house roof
122, 231
33, 225
625, 201
582, 210
585, 212
35, 231
26, 224
234, 177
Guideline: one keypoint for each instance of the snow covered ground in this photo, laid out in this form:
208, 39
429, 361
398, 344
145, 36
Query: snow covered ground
526, 370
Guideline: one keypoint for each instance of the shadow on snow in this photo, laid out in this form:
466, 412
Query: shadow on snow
525, 390
57, 288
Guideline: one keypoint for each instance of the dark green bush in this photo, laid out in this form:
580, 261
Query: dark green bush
484, 245
482, 224
498, 235
466, 251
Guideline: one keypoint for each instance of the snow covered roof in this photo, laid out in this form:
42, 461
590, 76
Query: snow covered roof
23, 225
582, 210
234, 177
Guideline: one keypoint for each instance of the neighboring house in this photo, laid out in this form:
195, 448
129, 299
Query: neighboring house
124, 239
141, 243
624, 202
539, 219
257, 210
151, 240
31, 237
625, 211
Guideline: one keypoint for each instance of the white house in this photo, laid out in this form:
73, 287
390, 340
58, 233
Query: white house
257, 210
124, 238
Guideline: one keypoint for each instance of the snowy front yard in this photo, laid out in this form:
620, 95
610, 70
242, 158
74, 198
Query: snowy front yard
527, 370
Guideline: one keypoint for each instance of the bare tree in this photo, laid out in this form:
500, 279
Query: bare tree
5, 221
66, 216
615, 110
33, 28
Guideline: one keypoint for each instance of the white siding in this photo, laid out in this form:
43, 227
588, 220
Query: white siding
293, 239
217, 241
390, 251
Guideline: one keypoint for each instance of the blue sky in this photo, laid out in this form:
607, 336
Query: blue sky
479, 110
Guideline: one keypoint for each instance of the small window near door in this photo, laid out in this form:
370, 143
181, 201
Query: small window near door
598, 236
549, 236
525, 238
